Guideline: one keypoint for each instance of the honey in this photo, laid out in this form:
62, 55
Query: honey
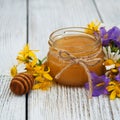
71, 51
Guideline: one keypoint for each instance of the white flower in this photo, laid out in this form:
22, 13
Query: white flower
110, 58
115, 56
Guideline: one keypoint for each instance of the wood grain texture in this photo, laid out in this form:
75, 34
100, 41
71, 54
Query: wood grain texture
12, 39
12, 32
109, 11
68, 103
12, 107
60, 102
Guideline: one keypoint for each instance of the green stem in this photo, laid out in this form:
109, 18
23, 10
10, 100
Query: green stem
43, 59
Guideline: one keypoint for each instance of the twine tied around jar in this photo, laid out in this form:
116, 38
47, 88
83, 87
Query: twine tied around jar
83, 61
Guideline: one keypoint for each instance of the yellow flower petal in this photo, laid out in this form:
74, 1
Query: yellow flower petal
100, 84
36, 86
39, 79
47, 76
117, 88
26, 54
31, 54
43, 86
37, 69
29, 67
93, 27
34, 62
110, 88
20, 59
113, 95
13, 71
112, 83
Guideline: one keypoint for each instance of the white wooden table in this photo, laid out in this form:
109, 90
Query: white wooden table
32, 21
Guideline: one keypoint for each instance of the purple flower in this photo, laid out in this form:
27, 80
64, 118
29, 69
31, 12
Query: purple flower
118, 75
99, 84
112, 35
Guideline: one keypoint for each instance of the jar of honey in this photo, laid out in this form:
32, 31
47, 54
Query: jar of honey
72, 54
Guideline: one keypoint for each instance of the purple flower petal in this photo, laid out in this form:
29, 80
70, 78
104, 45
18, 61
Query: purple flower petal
99, 84
112, 35
102, 31
118, 77
105, 42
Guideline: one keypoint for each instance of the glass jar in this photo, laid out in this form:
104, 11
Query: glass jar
71, 53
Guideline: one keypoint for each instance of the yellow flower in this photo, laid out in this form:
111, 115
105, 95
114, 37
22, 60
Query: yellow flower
114, 89
109, 64
39, 79
93, 27
42, 69
37, 70
42, 78
29, 68
34, 66
30, 65
43, 72
13, 70
43, 86
26, 54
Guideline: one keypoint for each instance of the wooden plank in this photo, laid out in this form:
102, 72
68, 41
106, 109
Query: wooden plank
109, 11
67, 103
12, 39
12, 32
12, 107
115, 105
60, 102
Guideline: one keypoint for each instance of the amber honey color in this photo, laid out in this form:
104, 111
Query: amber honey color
78, 46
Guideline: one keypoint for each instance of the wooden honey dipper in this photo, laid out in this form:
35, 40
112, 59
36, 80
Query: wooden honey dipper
22, 83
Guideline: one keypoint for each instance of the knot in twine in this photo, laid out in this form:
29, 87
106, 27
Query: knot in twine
83, 61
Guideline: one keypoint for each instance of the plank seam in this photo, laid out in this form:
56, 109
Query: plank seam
98, 11
27, 20
27, 41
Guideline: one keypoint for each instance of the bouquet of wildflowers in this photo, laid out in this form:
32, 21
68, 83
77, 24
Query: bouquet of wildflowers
109, 83
34, 66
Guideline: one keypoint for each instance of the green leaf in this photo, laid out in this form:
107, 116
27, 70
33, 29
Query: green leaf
39, 62
114, 49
